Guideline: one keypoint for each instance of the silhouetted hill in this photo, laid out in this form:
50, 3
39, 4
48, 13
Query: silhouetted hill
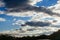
55, 36
7, 37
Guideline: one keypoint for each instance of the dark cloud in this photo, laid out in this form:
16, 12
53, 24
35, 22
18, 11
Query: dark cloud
15, 3
42, 24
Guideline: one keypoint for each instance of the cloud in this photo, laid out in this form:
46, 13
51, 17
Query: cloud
33, 2
30, 11
20, 3
21, 14
18, 22
26, 8
16, 3
37, 24
56, 8
36, 31
23, 6
2, 19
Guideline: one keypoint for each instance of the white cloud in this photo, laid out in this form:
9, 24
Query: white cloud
39, 16
18, 22
21, 14
2, 19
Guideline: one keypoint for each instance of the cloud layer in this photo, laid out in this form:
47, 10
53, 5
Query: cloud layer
25, 8
31, 31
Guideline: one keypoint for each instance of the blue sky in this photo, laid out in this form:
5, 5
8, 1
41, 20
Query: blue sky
47, 3
7, 25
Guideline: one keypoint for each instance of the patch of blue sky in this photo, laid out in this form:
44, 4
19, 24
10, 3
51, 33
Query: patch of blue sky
2, 8
46, 3
11, 17
7, 25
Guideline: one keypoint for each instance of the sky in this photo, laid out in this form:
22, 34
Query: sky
47, 3
8, 22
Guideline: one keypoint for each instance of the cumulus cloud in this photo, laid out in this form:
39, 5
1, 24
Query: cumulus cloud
2, 19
